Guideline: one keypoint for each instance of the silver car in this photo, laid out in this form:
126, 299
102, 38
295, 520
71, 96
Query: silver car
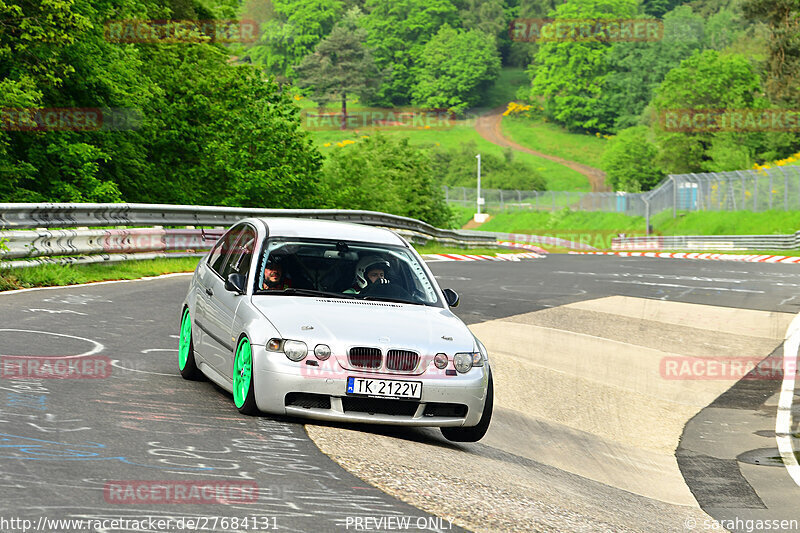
333, 321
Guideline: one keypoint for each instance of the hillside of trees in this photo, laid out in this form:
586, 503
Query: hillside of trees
216, 122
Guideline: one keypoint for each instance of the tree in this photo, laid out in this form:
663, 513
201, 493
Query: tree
783, 68
569, 75
340, 65
210, 131
294, 32
455, 67
386, 174
707, 80
396, 32
637, 68
629, 161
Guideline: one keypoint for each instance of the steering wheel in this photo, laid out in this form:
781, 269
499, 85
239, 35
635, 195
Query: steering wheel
386, 289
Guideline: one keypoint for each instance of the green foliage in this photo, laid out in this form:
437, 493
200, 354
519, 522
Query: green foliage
297, 27
629, 161
635, 69
783, 68
708, 80
210, 132
397, 30
458, 167
340, 65
455, 69
570, 75
386, 174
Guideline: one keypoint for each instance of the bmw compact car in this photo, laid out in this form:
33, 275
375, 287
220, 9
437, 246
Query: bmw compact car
333, 321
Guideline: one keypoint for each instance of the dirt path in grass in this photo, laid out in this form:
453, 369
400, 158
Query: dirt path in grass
488, 126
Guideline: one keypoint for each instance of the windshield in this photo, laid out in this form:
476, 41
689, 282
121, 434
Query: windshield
343, 269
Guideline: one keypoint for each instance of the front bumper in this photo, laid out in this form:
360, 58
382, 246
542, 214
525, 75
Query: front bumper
275, 377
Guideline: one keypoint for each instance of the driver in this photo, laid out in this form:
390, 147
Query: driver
274, 278
369, 270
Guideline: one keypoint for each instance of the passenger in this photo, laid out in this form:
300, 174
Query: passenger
369, 270
274, 278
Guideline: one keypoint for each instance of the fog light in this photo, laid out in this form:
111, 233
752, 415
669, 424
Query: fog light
322, 351
295, 350
440, 360
463, 362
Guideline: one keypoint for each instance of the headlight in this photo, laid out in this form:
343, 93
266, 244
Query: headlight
322, 351
295, 350
440, 360
463, 361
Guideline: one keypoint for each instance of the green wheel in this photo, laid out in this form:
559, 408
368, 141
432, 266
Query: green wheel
243, 390
186, 363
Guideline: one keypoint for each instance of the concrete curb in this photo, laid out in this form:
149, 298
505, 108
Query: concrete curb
498, 257
750, 258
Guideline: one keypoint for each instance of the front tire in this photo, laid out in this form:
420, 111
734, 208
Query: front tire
474, 433
186, 362
244, 393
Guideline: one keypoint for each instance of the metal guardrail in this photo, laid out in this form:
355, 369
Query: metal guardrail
19, 239
709, 242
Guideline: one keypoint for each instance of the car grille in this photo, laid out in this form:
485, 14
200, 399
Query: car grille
456, 410
379, 406
363, 357
402, 360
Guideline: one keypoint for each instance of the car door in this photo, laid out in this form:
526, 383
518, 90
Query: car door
222, 303
208, 288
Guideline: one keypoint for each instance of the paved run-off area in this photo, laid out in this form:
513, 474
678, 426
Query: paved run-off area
591, 401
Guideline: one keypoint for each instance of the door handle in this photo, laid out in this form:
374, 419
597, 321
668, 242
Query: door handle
209, 292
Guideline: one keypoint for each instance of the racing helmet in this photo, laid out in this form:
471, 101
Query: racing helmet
365, 265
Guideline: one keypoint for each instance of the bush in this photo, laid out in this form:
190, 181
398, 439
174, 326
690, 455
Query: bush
629, 161
386, 174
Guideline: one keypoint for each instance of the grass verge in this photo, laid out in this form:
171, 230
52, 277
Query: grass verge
554, 140
559, 177
695, 223
57, 275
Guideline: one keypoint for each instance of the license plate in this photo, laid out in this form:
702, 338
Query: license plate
384, 388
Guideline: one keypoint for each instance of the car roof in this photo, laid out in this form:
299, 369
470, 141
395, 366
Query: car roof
329, 229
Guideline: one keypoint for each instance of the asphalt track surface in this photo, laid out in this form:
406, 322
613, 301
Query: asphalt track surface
63, 441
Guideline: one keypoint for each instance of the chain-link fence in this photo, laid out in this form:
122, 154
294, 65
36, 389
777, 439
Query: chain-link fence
739, 190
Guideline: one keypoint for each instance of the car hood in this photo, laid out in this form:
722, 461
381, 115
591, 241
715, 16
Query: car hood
343, 323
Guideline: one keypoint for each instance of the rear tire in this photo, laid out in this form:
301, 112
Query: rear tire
244, 391
474, 433
186, 362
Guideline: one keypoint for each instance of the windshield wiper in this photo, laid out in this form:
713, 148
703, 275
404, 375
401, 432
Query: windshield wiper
388, 299
292, 291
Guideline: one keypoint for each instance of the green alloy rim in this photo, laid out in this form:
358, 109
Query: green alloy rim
186, 340
242, 369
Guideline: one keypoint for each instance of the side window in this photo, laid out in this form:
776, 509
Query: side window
216, 259
241, 254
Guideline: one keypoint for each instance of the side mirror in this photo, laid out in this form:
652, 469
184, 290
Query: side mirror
235, 283
451, 297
